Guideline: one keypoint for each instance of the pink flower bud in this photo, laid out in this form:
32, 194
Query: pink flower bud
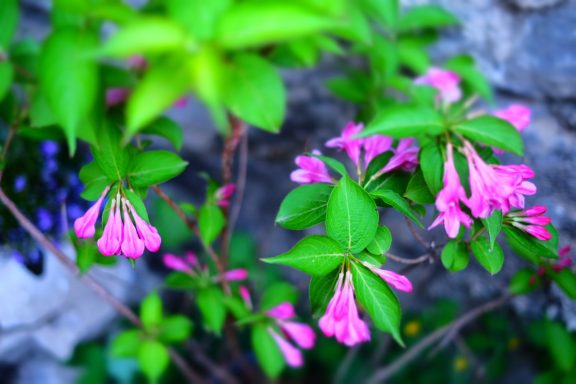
116, 96
302, 334
292, 355
245, 295
538, 232
399, 282
517, 114
312, 170
224, 193
236, 274
446, 82
176, 263
191, 258
132, 245
148, 233
85, 226
282, 311
109, 243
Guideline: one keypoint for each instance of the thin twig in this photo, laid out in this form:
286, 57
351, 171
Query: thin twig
417, 235
402, 260
388, 371
199, 355
240, 183
345, 364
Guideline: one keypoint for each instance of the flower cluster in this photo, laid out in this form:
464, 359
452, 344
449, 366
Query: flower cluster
125, 232
189, 264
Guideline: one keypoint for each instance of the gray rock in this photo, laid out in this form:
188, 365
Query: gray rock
534, 4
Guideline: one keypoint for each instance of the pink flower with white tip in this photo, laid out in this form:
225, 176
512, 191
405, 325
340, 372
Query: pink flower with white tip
446, 82
224, 194
312, 170
85, 226
532, 221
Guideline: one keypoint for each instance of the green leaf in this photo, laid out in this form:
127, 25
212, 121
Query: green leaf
153, 359
151, 310
315, 255
346, 88
398, 203
94, 180
384, 11
198, 17
278, 293
146, 35
527, 246
413, 56
405, 121
522, 283
110, 156
160, 87
180, 280
304, 206
351, 216
267, 351
9, 14
155, 167
137, 203
426, 16
253, 24
211, 304
492, 131
378, 300
417, 189
566, 281
64, 66
211, 222
561, 345
491, 258
432, 165
126, 344
493, 224
455, 256
471, 77
355, 28
382, 241
333, 164
6, 76
166, 128
175, 329
256, 92
322, 288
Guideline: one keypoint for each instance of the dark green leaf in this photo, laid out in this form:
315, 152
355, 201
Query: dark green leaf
455, 256
315, 255
6, 76
382, 241
566, 280
155, 167
426, 16
493, 224
9, 14
351, 216
211, 304
267, 351
528, 246
491, 258
398, 203
432, 165
322, 288
304, 206
278, 293
166, 128
94, 180
490, 130
417, 189
405, 121
211, 222
126, 344
180, 280
151, 310
522, 282
153, 359
561, 345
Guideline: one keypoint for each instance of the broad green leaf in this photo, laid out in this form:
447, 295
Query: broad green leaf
6, 76
151, 310
94, 180
304, 206
356, 27
315, 255
528, 246
64, 65
9, 14
491, 258
490, 130
153, 359
321, 290
137, 203
256, 92
278, 293
198, 17
432, 165
522, 282
383, 60
351, 216
493, 225
376, 165
86, 254
333, 164
455, 256
110, 156
382, 241
376, 260
561, 345
413, 56
166, 128
426, 16
398, 203
211, 222
126, 344
267, 351
180, 280
155, 167
384, 11
252, 24
211, 304
471, 77
161, 86
346, 88
209, 75
566, 280
175, 329
417, 189
395, 181
378, 300
405, 121
331, 7
146, 35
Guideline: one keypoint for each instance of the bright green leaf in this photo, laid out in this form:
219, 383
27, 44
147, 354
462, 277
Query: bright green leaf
9, 14
432, 165
137, 203
490, 130
426, 16
151, 310
126, 344
211, 304
155, 167
491, 258
493, 224
471, 77
566, 280
382, 241
405, 121
166, 128
211, 222
333, 164
455, 256
398, 203
322, 289
175, 329
153, 359
384, 11
267, 351
198, 17
417, 189
304, 206
94, 180
528, 246
561, 345
110, 156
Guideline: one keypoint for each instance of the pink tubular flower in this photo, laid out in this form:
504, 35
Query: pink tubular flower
565, 260
235, 274
137, 62
341, 318
302, 334
282, 311
400, 282
224, 193
532, 222
116, 96
245, 295
112, 236
132, 246
448, 199
513, 179
446, 82
85, 226
312, 170
516, 114
148, 233
176, 263
292, 355
374, 146
348, 141
405, 157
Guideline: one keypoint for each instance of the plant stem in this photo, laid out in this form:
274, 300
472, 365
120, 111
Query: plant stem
403, 260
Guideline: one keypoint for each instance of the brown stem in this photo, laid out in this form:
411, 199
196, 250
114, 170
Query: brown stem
240, 183
402, 260
388, 371
90, 281
417, 235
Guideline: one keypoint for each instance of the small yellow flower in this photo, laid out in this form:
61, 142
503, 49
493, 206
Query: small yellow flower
412, 328
460, 363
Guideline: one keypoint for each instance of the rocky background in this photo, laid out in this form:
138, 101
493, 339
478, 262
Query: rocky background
526, 48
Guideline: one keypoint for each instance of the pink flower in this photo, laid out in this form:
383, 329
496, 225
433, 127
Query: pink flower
116, 96
112, 236
282, 311
292, 355
224, 193
148, 233
341, 318
235, 274
245, 295
312, 170
85, 226
176, 263
302, 334
400, 282
532, 222
565, 259
181, 102
446, 82
448, 200
374, 146
517, 114
405, 157
348, 141
138, 63
513, 179
132, 246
